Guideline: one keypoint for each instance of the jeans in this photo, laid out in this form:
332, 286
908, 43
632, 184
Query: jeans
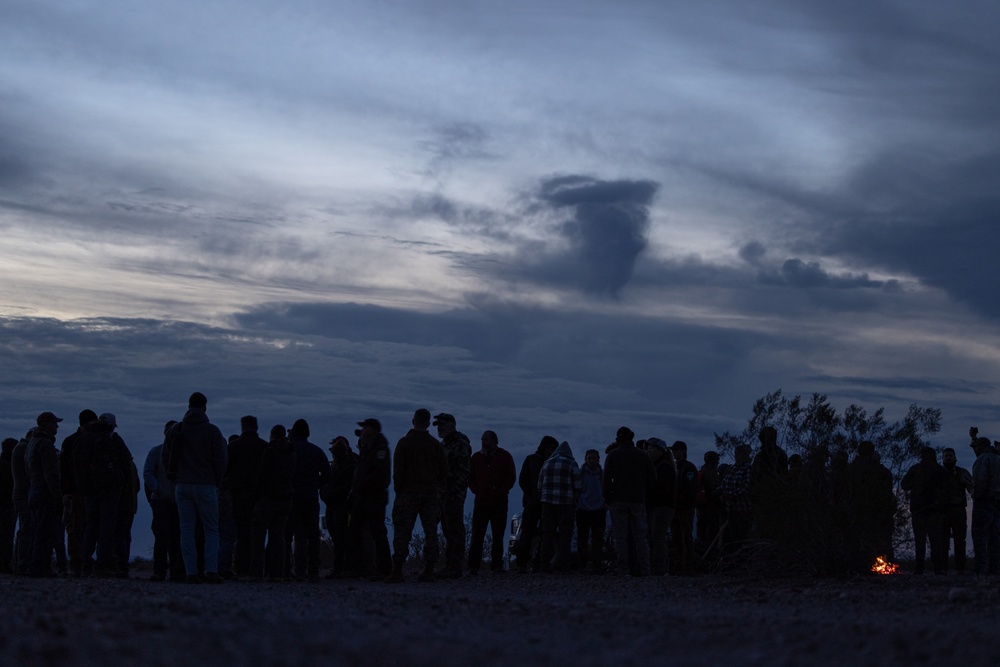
660, 519
557, 536
986, 535
626, 519
99, 534
590, 527
494, 515
45, 513
166, 540
198, 501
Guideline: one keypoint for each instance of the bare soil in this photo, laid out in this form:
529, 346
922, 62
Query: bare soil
510, 619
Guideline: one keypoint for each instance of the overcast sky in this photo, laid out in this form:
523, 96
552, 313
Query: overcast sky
544, 217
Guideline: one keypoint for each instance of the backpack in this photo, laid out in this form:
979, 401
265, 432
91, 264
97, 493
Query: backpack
106, 466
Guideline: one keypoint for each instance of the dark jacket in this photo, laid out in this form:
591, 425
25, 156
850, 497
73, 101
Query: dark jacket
42, 464
528, 479
419, 464
66, 462
338, 487
244, 462
277, 469
312, 469
373, 474
492, 476
458, 452
101, 460
6, 480
196, 450
18, 469
687, 485
628, 472
925, 483
663, 492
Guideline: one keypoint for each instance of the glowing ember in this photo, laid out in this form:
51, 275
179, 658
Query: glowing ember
882, 566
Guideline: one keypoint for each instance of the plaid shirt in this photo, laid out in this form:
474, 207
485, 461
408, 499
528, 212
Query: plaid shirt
559, 481
735, 488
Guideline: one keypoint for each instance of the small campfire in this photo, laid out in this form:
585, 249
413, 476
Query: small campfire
882, 566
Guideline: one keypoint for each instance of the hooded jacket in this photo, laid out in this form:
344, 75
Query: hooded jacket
559, 479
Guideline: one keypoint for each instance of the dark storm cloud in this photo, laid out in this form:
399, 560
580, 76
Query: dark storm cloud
601, 240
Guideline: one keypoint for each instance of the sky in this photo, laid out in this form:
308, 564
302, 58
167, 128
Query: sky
543, 217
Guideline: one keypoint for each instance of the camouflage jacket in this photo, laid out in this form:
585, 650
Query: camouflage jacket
458, 451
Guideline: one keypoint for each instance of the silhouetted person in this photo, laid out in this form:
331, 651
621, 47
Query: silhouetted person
73, 501
368, 500
458, 452
710, 507
242, 474
196, 461
924, 483
591, 512
8, 516
312, 470
272, 505
559, 485
682, 525
985, 505
628, 472
25, 532
419, 472
531, 504
166, 523
769, 485
335, 495
871, 506
957, 487
737, 497
102, 465
661, 503
492, 475
44, 492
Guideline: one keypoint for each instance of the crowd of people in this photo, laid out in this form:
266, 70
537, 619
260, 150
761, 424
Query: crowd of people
248, 508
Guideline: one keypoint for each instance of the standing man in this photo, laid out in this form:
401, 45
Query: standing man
559, 484
196, 462
591, 513
956, 486
458, 452
420, 470
44, 492
336, 495
682, 525
735, 491
243, 470
531, 513
312, 471
166, 524
368, 500
491, 477
25, 531
661, 503
73, 500
985, 505
628, 473
8, 515
924, 482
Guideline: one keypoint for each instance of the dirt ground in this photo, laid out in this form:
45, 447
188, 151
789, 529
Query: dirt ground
510, 619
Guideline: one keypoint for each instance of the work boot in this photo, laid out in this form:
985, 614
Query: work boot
396, 576
428, 573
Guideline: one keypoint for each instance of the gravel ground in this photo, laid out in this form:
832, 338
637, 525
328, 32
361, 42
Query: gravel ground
509, 619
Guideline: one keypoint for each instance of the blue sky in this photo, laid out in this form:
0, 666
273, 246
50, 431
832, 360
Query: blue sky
544, 217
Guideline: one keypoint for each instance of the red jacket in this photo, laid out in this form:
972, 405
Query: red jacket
492, 477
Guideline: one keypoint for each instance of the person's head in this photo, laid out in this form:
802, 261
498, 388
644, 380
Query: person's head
656, 449
547, 445
711, 458
87, 417
794, 462
421, 419
339, 448
445, 424
8, 445
928, 455
592, 458
948, 458
624, 434
490, 442
197, 401
48, 422
300, 429
680, 450
108, 421
768, 436
248, 424
278, 433
741, 454
369, 428
169, 425
866, 449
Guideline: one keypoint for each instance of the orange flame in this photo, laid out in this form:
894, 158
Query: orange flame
882, 566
